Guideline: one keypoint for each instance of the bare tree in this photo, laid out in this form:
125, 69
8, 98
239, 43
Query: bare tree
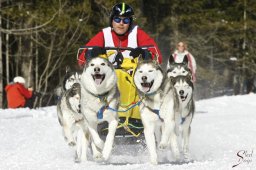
1, 63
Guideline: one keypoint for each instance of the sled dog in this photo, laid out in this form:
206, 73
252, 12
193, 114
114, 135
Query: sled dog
70, 78
159, 103
175, 69
184, 87
72, 121
99, 100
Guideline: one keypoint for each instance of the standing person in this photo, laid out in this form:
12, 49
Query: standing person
17, 95
122, 32
178, 55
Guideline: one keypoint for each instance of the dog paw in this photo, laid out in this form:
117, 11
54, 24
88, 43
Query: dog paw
78, 117
187, 157
72, 144
176, 156
162, 146
98, 157
105, 157
154, 162
77, 159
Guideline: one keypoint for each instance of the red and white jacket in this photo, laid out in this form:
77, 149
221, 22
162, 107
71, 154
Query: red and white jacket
136, 37
17, 95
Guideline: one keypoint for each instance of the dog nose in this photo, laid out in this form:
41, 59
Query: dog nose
181, 92
96, 69
144, 78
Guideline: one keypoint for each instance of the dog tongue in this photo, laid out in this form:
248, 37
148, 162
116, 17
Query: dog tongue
146, 89
98, 81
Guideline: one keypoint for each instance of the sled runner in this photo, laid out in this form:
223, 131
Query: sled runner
130, 124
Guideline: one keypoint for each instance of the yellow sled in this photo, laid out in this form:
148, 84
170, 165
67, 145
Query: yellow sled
130, 124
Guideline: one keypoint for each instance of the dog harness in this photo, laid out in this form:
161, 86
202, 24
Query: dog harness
156, 111
105, 106
109, 42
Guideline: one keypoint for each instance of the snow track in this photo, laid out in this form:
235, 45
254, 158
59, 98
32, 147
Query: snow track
223, 126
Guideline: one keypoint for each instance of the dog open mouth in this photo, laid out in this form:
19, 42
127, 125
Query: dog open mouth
183, 98
98, 78
147, 86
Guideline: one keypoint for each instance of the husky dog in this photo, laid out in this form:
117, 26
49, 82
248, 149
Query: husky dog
184, 87
175, 69
159, 103
68, 110
99, 100
72, 121
70, 78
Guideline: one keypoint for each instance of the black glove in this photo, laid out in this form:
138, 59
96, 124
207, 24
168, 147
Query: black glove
145, 54
95, 52
118, 60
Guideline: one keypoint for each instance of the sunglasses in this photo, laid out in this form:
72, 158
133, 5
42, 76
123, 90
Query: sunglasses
125, 20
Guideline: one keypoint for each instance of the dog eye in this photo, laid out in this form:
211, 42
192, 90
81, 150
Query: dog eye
92, 64
174, 72
150, 71
103, 64
140, 71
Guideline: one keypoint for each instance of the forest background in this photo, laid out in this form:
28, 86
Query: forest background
39, 38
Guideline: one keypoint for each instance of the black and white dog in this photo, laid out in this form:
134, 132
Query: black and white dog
69, 79
159, 103
74, 125
99, 100
181, 77
178, 69
184, 87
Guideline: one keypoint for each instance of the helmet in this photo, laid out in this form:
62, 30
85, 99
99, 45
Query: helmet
121, 9
19, 79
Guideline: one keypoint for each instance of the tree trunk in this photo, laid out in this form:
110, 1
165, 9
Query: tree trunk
1, 64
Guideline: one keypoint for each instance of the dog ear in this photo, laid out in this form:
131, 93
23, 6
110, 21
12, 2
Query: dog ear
173, 80
155, 60
68, 69
140, 59
185, 59
171, 59
189, 80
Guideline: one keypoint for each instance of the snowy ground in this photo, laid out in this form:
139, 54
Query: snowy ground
222, 127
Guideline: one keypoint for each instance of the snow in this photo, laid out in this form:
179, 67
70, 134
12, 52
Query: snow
222, 126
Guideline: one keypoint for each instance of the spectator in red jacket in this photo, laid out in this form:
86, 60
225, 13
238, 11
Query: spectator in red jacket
122, 33
17, 94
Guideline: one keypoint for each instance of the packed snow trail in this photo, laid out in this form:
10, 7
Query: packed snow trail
222, 127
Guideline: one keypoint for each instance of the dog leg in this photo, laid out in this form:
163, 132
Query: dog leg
185, 147
95, 136
95, 153
110, 138
158, 134
68, 135
166, 131
81, 147
174, 145
150, 140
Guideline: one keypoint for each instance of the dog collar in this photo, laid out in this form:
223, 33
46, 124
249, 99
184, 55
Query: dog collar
100, 96
150, 94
